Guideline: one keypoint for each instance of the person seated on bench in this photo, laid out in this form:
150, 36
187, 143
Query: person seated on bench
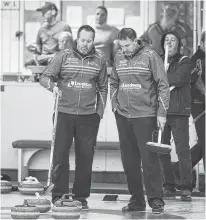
65, 41
47, 39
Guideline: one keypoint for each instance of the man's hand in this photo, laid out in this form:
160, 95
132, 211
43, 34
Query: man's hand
32, 47
161, 122
199, 67
57, 91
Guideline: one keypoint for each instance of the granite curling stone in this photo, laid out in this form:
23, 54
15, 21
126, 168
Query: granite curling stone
6, 186
30, 186
75, 202
44, 205
66, 208
25, 211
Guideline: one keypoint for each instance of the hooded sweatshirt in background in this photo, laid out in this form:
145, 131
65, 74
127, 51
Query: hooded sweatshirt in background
179, 76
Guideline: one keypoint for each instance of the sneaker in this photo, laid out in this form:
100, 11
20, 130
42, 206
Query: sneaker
85, 206
186, 195
133, 199
157, 206
133, 207
169, 193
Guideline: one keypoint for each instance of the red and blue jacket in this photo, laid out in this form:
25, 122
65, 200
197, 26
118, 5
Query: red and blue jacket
82, 79
139, 85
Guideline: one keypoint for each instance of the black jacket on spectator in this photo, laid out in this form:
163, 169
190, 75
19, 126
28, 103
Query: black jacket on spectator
198, 76
179, 75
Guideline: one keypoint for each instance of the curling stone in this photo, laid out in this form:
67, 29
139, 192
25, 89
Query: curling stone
75, 202
44, 205
66, 208
25, 211
30, 186
6, 186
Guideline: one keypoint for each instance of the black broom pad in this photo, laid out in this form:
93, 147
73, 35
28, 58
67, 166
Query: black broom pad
110, 198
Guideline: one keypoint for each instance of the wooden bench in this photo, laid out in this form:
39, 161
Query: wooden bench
28, 148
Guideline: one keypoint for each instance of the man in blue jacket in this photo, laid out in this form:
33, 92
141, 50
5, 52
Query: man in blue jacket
83, 85
178, 73
139, 93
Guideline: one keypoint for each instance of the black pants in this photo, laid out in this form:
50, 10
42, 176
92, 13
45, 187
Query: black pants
198, 150
179, 126
133, 135
84, 129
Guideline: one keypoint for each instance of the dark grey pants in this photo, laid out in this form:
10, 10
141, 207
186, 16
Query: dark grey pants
198, 150
133, 135
179, 126
84, 129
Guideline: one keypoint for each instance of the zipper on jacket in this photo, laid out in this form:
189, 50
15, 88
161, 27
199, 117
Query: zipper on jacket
81, 88
127, 90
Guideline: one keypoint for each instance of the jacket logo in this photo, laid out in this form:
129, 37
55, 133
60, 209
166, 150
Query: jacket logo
72, 60
140, 64
92, 63
123, 63
79, 85
130, 86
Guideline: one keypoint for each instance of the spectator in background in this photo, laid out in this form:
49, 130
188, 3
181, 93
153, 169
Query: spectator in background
198, 104
65, 41
153, 35
105, 37
47, 38
178, 74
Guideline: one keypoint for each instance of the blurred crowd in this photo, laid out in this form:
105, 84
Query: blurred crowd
56, 35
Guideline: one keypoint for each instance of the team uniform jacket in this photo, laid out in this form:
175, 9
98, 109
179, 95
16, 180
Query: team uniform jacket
82, 79
139, 86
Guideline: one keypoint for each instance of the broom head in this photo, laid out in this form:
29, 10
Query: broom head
159, 148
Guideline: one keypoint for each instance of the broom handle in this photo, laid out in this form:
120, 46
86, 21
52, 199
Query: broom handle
166, 57
166, 63
199, 116
53, 139
159, 136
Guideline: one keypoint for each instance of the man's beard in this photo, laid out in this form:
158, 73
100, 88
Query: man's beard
168, 22
170, 14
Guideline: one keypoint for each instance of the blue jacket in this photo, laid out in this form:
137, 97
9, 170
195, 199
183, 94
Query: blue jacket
82, 79
139, 85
